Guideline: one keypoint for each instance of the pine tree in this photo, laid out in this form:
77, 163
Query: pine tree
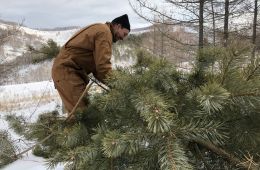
7, 149
48, 51
155, 117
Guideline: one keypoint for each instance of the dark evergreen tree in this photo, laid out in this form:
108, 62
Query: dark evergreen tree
7, 150
155, 117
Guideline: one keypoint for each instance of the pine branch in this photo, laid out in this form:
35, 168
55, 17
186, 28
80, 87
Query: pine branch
75, 136
201, 156
33, 50
112, 145
30, 148
255, 94
226, 69
230, 157
211, 97
111, 164
154, 109
252, 72
172, 155
7, 149
237, 119
202, 129
52, 134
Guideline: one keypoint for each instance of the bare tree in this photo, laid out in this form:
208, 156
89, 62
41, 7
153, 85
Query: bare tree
11, 30
213, 22
254, 31
171, 19
226, 22
201, 21
184, 44
5, 36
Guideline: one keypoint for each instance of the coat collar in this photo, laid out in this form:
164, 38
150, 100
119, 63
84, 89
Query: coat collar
109, 24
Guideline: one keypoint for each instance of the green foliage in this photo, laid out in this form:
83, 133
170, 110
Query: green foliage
144, 58
205, 130
154, 110
46, 124
153, 115
7, 149
112, 145
75, 136
127, 49
41, 151
48, 51
172, 156
132, 40
211, 97
17, 123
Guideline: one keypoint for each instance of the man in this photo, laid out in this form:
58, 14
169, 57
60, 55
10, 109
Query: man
88, 51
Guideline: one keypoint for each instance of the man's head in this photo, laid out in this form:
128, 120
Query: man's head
121, 27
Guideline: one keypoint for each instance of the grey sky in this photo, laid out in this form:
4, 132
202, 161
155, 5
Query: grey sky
59, 13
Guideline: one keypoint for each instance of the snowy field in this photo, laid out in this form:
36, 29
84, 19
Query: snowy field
28, 100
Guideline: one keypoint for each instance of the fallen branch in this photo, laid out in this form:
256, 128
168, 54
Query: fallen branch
234, 160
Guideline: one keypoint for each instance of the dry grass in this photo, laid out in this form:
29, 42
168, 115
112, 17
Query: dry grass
36, 73
9, 103
17, 102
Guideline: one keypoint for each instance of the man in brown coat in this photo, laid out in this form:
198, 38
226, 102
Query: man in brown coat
88, 51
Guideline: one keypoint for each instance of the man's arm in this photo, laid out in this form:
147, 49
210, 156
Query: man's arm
102, 55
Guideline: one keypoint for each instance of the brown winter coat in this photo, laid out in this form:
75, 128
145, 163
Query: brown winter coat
88, 51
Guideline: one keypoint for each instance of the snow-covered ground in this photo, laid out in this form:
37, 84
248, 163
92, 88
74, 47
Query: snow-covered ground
30, 162
29, 100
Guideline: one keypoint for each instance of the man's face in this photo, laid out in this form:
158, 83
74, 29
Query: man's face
120, 32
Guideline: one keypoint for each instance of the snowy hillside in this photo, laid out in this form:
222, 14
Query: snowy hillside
26, 36
58, 36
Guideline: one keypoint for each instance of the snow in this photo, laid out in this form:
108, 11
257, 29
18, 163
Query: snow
185, 66
12, 51
25, 89
58, 36
30, 108
30, 162
16, 101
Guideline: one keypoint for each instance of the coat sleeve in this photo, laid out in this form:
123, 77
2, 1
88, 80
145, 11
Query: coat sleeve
102, 56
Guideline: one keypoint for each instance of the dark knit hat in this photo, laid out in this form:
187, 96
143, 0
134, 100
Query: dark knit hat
123, 20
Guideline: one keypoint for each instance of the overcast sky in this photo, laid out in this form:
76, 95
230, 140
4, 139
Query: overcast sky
59, 13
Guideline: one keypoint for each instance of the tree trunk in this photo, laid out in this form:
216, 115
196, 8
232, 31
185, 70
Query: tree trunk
201, 8
254, 32
163, 31
213, 23
226, 23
